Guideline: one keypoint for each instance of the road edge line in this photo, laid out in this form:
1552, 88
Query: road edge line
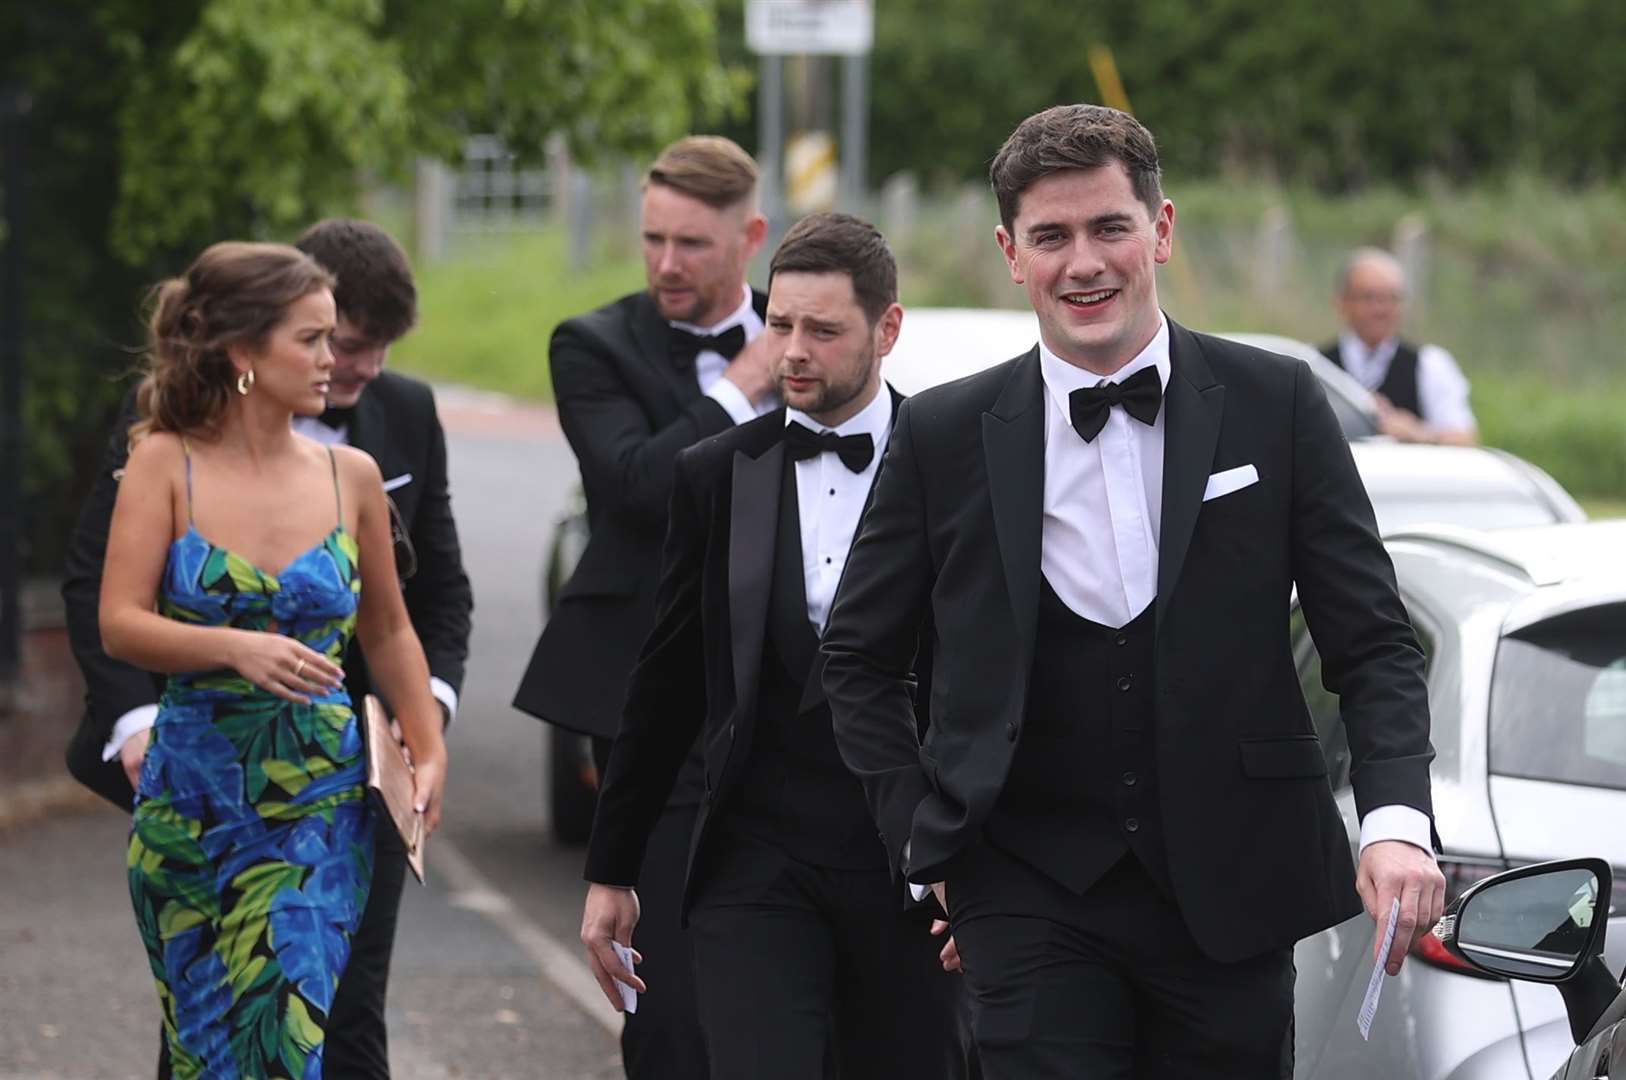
558, 963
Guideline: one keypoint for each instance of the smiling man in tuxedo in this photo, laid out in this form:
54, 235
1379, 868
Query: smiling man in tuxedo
806, 951
393, 418
1120, 799
636, 381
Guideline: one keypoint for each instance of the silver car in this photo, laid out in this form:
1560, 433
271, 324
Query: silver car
1525, 632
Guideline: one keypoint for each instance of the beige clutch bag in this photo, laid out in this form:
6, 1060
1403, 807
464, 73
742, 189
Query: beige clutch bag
389, 779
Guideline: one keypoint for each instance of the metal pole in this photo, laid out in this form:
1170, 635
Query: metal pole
14, 105
854, 131
771, 143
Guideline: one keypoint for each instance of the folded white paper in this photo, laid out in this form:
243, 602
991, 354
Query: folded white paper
1374, 985
629, 996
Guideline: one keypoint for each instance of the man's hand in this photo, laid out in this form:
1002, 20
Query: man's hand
610, 915
1394, 869
132, 753
752, 369
950, 955
1399, 424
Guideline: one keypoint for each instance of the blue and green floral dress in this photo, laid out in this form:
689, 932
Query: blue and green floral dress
251, 849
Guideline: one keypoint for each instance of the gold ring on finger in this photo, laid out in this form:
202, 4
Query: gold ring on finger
299, 667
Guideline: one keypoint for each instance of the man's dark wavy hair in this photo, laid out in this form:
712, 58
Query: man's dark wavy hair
1074, 137
375, 290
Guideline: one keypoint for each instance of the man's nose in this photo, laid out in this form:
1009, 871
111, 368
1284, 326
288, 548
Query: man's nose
1084, 261
668, 261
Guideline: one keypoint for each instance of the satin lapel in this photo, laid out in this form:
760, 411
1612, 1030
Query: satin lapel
753, 520
654, 345
1013, 447
1195, 404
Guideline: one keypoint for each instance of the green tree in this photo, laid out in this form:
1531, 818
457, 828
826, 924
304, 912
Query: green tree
159, 128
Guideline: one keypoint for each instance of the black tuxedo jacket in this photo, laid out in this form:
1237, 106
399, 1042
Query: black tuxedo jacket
395, 421
699, 669
1257, 853
626, 410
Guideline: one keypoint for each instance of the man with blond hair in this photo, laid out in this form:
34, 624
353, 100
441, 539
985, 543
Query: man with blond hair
636, 381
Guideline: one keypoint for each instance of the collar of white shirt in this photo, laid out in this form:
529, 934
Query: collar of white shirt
874, 420
1062, 378
728, 322
1359, 360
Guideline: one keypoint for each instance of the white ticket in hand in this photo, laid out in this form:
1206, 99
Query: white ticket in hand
1374, 985
629, 996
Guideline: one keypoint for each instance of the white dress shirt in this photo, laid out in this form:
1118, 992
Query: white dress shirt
830, 499
709, 363
1109, 575
1442, 388
145, 716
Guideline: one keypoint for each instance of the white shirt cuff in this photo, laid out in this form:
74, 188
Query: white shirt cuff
446, 696
136, 720
733, 401
1397, 822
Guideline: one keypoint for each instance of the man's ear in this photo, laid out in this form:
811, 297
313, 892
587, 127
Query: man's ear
756, 231
886, 329
1007, 248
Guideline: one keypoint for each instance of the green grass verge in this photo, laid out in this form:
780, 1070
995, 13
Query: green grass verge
485, 314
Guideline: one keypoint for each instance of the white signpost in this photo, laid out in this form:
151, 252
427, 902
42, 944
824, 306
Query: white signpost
778, 28
809, 27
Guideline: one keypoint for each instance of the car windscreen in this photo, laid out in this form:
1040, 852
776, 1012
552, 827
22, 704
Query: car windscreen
1558, 700
1406, 511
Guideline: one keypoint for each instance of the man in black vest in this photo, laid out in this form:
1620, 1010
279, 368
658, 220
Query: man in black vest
1120, 799
636, 381
393, 418
807, 955
1422, 393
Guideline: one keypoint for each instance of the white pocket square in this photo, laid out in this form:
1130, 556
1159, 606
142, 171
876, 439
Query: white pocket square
1223, 483
406, 478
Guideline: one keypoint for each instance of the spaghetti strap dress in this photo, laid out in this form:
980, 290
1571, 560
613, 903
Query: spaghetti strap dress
251, 846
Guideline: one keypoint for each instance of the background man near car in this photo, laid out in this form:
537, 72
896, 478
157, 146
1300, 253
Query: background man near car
1422, 393
804, 952
1120, 800
636, 381
393, 418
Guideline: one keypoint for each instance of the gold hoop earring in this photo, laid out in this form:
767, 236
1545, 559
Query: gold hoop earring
245, 382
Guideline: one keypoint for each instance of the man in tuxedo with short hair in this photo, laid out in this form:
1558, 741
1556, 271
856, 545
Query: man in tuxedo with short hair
636, 381
1120, 799
807, 956
393, 418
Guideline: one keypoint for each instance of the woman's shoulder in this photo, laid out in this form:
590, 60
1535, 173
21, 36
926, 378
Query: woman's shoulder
158, 450
357, 465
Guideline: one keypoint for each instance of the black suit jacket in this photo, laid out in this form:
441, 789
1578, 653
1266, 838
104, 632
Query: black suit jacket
699, 669
1257, 852
395, 421
626, 410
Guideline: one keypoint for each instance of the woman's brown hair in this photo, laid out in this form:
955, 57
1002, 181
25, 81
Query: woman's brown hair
235, 293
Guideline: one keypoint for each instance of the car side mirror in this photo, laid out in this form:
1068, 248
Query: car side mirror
1537, 923
1542, 923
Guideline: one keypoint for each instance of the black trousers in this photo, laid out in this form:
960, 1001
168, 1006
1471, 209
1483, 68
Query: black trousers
662, 1040
356, 1038
1108, 985
807, 972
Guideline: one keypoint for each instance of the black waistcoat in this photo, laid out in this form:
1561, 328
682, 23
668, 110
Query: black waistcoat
796, 792
1399, 383
1082, 790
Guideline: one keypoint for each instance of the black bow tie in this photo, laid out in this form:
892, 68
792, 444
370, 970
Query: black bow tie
685, 346
336, 418
1141, 395
855, 451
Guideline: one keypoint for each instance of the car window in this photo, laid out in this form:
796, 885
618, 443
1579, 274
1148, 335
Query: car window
1558, 700
1323, 704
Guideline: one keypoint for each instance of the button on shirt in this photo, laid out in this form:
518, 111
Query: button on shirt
1442, 388
831, 499
1107, 575
709, 364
